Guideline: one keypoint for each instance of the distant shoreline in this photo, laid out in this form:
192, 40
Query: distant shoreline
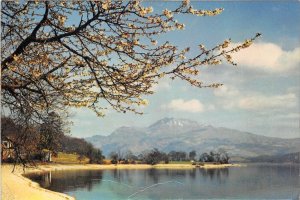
16, 186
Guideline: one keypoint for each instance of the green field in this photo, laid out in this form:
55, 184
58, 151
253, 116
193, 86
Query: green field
180, 162
68, 158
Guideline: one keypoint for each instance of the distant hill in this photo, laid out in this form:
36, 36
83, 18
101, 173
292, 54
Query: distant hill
286, 158
185, 135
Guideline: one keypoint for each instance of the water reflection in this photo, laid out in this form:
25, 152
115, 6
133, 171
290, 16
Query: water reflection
219, 174
62, 181
260, 182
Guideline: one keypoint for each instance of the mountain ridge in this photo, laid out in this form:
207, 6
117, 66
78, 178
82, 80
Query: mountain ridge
185, 135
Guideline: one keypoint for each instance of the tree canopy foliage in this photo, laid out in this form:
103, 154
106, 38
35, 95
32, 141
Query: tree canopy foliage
81, 147
155, 156
95, 54
221, 156
51, 132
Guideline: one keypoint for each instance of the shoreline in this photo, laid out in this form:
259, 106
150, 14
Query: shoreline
15, 186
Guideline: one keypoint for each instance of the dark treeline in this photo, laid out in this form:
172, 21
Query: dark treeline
148, 157
81, 147
48, 137
220, 156
155, 156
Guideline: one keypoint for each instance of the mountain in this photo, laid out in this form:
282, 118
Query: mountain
185, 135
286, 158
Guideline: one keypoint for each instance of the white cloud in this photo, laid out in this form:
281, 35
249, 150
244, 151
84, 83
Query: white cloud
192, 105
230, 97
268, 56
258, 102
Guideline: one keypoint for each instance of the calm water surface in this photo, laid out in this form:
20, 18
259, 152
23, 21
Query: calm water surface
251, 182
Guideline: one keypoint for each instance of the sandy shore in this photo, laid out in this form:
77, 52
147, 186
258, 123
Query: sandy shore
14, 186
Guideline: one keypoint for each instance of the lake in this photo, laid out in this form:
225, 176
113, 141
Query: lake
251, 182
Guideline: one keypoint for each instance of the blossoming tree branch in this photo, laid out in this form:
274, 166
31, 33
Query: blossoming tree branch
95, 54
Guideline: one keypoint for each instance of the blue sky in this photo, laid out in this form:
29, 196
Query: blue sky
261, 95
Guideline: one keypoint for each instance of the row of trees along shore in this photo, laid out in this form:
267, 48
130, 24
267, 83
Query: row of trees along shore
58, 55
155, 156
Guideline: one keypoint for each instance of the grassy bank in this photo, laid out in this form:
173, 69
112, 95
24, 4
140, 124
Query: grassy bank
67, 158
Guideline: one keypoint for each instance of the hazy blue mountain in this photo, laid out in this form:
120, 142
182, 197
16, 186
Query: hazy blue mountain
286, 158
185, 135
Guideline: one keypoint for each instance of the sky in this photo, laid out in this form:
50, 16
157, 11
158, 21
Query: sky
260, 96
